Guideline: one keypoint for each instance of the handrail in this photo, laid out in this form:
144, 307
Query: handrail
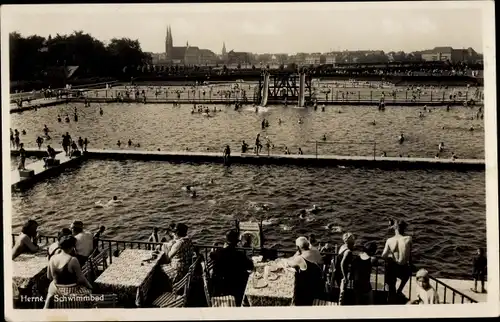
454, 291
113, 246
374, 143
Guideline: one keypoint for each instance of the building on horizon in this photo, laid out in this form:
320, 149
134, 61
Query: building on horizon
183, 55
454, 56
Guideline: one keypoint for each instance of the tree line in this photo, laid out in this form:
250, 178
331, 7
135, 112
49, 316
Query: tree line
35, 57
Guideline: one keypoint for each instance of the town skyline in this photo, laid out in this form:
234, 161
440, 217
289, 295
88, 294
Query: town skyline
262, 29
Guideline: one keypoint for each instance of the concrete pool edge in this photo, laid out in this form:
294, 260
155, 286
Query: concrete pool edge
371, 103
386, 163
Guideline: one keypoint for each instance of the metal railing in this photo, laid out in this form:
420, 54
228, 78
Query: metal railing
116, 246
350, 94
462, 297
319, 143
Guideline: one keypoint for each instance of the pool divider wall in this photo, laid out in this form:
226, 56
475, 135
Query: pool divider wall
386, 163
233, 101
47, 173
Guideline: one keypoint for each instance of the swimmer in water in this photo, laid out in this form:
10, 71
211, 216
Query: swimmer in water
118, 143
374, 123
314, 210
401, 138
23, 132
67, 118
441, 147
101, 111
300, 121
114, 200
59, 118
188, 188
279, 121
302, 214
324, 137
471, 128
193, 194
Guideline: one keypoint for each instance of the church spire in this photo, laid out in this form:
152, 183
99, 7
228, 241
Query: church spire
168, 41
224, 52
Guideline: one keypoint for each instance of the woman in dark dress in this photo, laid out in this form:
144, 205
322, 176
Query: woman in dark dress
309, 284
361, 270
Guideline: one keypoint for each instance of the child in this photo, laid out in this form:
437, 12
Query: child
479, 263
426, 294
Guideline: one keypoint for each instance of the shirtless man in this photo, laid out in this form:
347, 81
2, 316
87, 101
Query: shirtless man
397, 252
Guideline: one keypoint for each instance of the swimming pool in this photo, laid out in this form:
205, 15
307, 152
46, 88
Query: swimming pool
175, 128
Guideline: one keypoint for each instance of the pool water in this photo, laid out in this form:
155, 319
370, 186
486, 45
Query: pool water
348, 129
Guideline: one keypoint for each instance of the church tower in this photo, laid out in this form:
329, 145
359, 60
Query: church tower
224, 52
169, 43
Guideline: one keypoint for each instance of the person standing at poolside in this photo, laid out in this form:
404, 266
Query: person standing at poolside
80, 143
479, 264
17, 141
12, 141
307, 263
397, 252
362, 270
22, 155
258, 145
343, 263
66, 142
227, 154
85, 143
39, 142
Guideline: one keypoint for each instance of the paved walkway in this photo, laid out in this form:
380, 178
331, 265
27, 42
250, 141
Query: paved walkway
293, 158
41, 102
462, 286
38, 167
236, 157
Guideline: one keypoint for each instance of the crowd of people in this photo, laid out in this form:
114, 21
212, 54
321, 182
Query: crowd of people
71, 148
351, 269
343, 275
66, 256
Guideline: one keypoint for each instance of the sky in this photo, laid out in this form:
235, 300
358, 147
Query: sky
263, 27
